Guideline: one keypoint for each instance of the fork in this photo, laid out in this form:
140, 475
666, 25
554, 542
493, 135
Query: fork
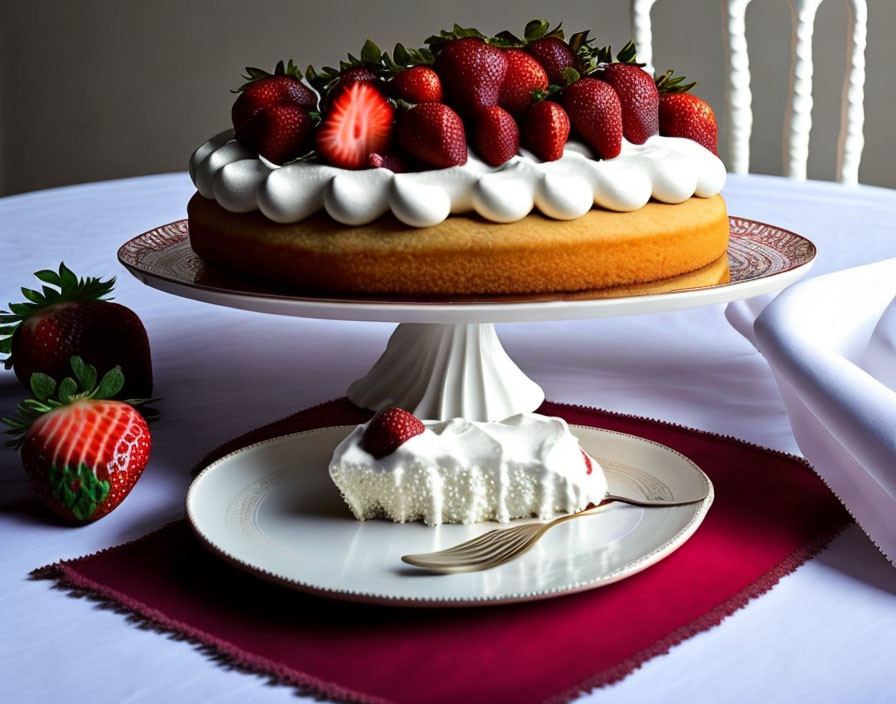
504, 544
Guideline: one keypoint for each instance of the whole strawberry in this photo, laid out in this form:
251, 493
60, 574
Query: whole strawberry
434, 134
545, 130
472, 73
388, 430
555, 57
263, 90
75, 318
81, 451
686, 115
524, 77
282, 132
639, 98
359, 122
596, 113
418, 84
497, 136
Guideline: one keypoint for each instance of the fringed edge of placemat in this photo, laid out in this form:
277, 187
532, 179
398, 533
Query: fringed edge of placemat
710, 619
67, 579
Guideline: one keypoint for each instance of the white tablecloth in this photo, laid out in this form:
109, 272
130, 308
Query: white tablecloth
826, 633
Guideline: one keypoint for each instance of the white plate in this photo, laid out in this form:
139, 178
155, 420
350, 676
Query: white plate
272, 510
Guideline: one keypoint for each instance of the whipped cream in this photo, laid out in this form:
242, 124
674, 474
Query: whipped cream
667, 169
461, 471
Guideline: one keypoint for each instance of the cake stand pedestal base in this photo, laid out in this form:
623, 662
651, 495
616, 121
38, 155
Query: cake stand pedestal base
442, 371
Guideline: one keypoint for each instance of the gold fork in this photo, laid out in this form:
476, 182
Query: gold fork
504, 544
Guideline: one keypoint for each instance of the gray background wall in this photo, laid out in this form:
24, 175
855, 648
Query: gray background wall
104, 89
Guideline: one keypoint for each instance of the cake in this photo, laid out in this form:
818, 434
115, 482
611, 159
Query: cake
460, 471
475, 166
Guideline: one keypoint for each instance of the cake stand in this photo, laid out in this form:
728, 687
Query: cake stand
444, 359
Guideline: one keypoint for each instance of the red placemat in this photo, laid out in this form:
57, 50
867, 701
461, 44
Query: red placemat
770, 514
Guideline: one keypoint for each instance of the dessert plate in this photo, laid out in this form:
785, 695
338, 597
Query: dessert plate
762, 258
271, 509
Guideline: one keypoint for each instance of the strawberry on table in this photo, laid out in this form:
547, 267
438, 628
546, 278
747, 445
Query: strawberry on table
685, 115
82, 451
596, 113
637, 93
75, 318
358, 123
471, 71
434, 134
418, 84
497, 136
388, 430
524, 77
545, 130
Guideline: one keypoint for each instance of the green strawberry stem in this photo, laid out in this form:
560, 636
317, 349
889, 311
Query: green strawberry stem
669, 83
78, 489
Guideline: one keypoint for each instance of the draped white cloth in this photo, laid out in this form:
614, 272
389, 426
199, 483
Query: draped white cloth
826, 633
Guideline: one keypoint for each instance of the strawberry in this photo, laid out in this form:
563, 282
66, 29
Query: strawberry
82, 452
471, 72
497, 136
394, 162
685, 115
388, 430
263, 90
418, 84
594, 110
639, 98
524, 76
555, 57
77, 319
545, 130
434, 134
282, 132
359, 122
588, 466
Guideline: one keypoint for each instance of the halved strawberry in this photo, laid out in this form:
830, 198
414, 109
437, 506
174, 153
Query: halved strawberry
471, 72
546, 130
497, 135
82, 452
418, 84
555, 57
595, 111
73, 316
434, 134
524, 76
359, 122
282, 132
388, 430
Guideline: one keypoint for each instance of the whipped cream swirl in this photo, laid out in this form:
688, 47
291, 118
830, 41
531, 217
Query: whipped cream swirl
667, 169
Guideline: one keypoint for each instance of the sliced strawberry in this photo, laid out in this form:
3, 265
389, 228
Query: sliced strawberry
546, 130
497, 136
471, 72
75, 318
282, 132
434, 134
418, 84
359, 122
588, 466
388, 430
555, 57
524, 76
639, 98
82, 453
596, 113
686, 115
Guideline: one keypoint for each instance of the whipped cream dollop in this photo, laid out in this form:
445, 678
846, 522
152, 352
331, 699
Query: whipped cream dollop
461, 471
667, 169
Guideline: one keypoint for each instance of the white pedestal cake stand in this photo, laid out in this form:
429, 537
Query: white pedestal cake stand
444, 359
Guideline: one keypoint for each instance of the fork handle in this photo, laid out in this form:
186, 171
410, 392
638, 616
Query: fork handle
650, 502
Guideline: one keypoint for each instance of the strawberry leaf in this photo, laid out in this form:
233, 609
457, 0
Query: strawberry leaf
84, 373
370, 53
110, 384
67, 389
48, 276
33, 296
42, 385
536, 29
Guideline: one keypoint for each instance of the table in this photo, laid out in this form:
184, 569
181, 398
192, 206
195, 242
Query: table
826, 633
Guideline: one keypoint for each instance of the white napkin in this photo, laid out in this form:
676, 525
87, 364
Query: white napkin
831, 343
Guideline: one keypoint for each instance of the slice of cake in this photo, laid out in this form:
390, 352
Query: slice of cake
458, 471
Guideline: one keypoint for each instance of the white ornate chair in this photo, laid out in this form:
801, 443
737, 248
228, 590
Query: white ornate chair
799, 114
